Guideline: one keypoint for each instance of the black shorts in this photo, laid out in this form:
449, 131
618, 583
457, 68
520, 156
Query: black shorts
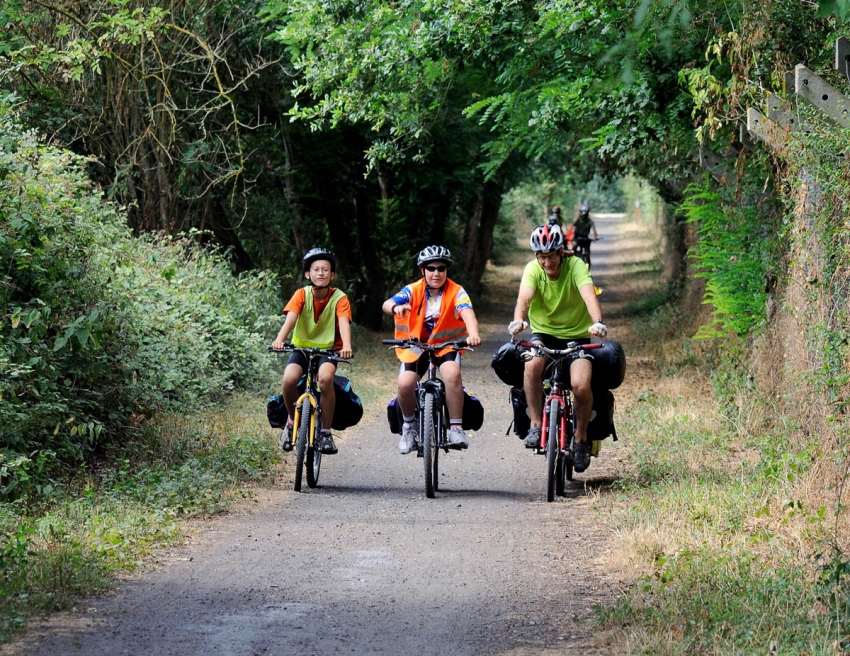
297, 357
421, 365
552, 342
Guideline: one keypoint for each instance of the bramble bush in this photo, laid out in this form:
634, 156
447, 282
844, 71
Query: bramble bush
100, 329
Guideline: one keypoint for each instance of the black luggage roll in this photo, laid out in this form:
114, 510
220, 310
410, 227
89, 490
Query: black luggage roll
609, 365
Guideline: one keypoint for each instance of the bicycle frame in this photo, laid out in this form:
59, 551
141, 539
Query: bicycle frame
305, 446
312, 394
436, 386
430, 393
564, 398
558, 405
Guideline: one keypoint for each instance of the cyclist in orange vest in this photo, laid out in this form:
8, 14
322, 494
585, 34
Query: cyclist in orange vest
433, 309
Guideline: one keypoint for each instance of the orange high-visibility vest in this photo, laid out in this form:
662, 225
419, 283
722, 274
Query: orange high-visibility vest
448, 326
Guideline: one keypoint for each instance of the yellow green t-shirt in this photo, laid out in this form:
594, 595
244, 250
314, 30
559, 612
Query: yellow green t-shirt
558, 308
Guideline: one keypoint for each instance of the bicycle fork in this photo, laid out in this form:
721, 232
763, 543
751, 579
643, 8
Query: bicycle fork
296, 421
562, 419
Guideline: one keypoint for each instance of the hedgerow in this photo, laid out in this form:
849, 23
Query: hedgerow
100, 329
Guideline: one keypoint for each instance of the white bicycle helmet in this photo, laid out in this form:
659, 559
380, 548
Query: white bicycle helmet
432, 254
547, 238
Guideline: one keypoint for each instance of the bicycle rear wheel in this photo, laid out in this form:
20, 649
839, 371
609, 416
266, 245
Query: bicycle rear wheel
301, 441
568, 455
429, 446
552, 449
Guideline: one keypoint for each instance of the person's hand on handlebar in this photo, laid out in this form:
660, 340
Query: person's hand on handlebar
598, 329
278, 344
345, 353
515, 327
473, 340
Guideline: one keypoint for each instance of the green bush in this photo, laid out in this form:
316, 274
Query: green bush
99, 329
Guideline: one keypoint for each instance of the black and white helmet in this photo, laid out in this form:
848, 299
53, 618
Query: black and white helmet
318, 254
584, 210
432, 254
547, 238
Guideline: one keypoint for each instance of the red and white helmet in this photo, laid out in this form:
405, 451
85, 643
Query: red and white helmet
547, 238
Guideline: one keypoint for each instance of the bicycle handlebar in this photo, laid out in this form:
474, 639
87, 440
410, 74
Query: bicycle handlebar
572, 347
457, 344
308, 351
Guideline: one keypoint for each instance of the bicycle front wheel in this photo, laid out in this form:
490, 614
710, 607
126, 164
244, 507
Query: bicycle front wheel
429, 445
314, 455
302, 440
552, 449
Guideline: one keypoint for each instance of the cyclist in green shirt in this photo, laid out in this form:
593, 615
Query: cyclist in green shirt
557, 297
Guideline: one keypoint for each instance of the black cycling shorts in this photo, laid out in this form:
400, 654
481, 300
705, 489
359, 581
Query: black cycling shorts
421, 365
297, 357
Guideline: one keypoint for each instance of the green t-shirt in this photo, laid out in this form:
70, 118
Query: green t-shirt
557, 308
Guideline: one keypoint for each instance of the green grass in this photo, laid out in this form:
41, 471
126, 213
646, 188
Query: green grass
109, 516
730, 558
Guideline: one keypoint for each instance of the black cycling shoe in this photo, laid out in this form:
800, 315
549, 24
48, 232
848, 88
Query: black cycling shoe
286, 439
581, 456
327, 446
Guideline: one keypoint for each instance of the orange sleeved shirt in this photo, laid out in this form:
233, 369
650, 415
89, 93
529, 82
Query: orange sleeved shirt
343, 309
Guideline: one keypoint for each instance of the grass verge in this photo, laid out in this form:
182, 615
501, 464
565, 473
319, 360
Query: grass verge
725, 550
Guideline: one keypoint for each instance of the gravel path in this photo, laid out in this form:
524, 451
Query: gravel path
365, 564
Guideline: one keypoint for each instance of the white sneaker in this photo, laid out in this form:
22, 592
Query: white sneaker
409, 438
458, 438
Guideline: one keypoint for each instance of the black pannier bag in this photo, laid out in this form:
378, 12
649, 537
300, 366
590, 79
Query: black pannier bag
472, 419
394, 417
276, 411
508, 366
602, 417
609, 365
522, 420
348, 409
473, 412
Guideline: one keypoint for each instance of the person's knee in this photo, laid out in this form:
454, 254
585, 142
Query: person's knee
291, 376
450, 373
406, 382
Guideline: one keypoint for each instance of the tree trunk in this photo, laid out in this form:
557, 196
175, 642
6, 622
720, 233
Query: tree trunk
478, 235
370, 292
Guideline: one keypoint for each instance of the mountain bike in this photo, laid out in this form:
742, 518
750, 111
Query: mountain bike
557, 434
307, 422
581, 248
431, 409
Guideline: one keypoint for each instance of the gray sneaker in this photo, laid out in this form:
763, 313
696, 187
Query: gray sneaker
532, 440
409, 438
457, 438
286, 438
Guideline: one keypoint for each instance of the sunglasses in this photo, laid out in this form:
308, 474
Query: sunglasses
433, 268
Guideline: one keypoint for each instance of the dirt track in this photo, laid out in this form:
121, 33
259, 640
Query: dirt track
365, 564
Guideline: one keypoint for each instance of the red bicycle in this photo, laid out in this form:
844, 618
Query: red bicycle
557, 434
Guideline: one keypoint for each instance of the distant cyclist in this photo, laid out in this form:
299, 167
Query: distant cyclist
583, 227
555, 216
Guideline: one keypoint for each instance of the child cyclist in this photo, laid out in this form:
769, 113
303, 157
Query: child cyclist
433, 309
319, 316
